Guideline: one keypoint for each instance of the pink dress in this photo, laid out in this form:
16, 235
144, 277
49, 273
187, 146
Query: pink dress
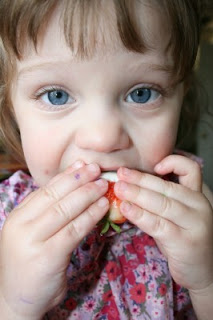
117, 276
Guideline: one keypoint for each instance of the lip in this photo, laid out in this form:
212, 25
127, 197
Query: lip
104, 169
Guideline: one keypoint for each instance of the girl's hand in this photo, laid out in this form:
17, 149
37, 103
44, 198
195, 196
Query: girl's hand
40, 235
178, 216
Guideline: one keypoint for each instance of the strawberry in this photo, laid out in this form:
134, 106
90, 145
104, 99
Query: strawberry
113, 216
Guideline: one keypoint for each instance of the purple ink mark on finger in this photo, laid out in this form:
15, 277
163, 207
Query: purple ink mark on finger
77, 176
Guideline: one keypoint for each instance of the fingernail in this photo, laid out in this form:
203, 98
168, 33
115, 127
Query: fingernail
125, 206
103, 202
93, 167
101, 182
158, 167
78, 164
126, 171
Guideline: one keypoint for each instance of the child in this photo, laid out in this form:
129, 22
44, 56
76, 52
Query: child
91, 86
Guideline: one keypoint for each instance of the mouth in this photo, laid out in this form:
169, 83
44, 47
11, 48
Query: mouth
105, 169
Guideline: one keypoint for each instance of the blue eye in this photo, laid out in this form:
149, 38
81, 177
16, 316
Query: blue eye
142, 95
56, 97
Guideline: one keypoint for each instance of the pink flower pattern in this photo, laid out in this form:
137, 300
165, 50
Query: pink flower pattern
116, 276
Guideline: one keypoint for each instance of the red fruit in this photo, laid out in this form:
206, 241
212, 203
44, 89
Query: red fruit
114, 213
114, 216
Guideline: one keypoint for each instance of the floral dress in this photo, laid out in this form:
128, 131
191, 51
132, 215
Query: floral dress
111, 277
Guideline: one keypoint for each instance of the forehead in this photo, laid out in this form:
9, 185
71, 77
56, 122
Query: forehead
103, 35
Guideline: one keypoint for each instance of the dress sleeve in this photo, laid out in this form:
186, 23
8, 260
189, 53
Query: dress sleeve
3, 214
183, 308
13, 191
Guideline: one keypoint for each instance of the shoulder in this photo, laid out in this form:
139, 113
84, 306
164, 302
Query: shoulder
12, 191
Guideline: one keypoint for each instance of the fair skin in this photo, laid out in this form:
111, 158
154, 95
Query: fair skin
61, 141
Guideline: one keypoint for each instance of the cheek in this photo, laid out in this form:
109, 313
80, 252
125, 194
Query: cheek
162, 147
158, 149
157, 143
42, 155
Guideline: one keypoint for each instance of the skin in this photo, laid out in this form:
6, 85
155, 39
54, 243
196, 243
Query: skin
98, 88
59, 143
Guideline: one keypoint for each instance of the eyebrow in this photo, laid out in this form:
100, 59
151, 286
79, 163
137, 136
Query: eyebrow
164, 68
37, 66
45, 65
154, 67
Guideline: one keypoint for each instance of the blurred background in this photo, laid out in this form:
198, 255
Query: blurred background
204, 147
204, 132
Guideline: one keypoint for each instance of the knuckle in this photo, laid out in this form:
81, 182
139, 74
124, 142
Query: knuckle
166, 205
168, 188
205, 226
73, 231
51, 193
140, 195
143, 179
202, 204
62, 209
159, 227
140, 216
92, 212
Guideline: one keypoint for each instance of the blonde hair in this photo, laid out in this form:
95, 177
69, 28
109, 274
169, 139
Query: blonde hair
25, 20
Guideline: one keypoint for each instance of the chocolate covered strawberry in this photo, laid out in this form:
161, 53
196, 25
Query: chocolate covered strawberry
114, 216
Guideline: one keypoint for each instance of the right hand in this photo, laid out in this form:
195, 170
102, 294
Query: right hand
39, 236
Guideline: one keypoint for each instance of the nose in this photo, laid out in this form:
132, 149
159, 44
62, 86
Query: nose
102, 133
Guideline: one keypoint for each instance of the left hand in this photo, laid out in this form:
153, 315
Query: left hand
178, 216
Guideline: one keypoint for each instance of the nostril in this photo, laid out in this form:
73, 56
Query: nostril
102, 137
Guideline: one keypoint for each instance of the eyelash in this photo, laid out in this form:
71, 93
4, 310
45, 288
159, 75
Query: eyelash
37, 96
162, 92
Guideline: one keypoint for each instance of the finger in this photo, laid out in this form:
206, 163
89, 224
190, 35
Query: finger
61, 213
157, 184
188, 171
56, 190
77, 165
68, 238
156, 226
24, 202
156, 203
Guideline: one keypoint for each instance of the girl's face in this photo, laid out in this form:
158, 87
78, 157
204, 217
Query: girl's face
116, 109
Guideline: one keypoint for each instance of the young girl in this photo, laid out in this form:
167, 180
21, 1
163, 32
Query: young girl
88, 87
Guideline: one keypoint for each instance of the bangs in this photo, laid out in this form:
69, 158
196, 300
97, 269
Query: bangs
86, 24
82, 22
89, 25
